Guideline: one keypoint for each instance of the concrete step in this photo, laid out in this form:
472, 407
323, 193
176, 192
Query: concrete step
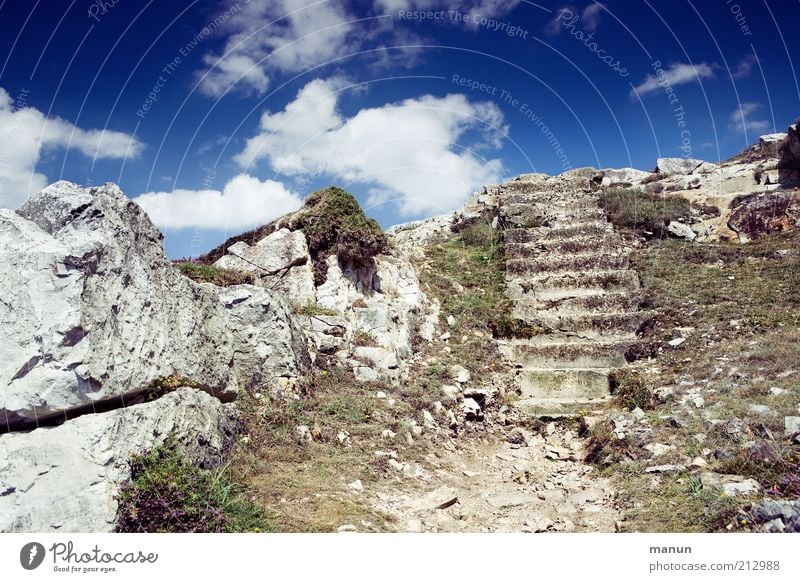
584, 354
554, 286
621, 301
531, 214
569, 384
611, 242
619, 322
560, 232
547, 200
579, 262
560, 408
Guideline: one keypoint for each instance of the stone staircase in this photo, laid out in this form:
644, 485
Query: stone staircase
567, 273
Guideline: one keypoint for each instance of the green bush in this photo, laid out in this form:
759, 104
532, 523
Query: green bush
168, 494
641, 212
334, 223
631, 390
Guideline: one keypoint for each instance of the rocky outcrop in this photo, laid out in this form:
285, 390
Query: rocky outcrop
375, 302
623, 177
99, 330
94, 309
677, 166
761, 214
65, 478
280, 262
269, 349
97, 314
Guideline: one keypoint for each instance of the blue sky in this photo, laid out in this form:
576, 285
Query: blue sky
219, 116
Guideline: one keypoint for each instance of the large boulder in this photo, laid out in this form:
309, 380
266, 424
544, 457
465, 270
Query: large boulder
623, 177
66, 478
677, 166
756, 215
92, 311
280, 261
270, 351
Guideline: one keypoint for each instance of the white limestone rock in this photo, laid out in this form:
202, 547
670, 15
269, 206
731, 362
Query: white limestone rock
92, 310
280, 261
616, 177
677, 166
65, 478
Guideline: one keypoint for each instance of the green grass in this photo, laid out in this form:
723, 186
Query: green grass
641, 212
168, 494
311, 309
467, 275
210, 274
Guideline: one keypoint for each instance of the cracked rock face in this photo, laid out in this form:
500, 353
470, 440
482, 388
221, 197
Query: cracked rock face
92, 309
65, 478
93, 313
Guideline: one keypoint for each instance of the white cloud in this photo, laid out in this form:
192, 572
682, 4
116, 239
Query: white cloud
276, 35
745, 67
244, 202
268, 37
590, 17
25, 133
740, 119
675, 74
407, 151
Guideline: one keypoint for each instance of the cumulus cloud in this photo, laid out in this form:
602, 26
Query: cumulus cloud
25, 133
589, 17
418, 152
244, 202
675, 74
276, 35
745, 67
268, 37
741, 119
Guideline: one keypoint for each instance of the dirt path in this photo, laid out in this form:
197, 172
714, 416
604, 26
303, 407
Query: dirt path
502, 487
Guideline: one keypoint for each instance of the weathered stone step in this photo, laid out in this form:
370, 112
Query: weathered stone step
620, 301
547, 200
560, 408
589, 383
560, 232
561, 285
619, 322
563, 246
552, 263
531, 211
584, 354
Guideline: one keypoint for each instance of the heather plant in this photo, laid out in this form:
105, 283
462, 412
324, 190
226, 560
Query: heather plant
168, 494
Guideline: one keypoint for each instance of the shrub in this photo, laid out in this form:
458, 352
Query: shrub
210, 274
168, 494
631, 390
644, 213
334, 223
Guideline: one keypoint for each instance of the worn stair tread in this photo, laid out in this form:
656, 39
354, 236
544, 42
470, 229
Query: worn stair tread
569, 263
615, 301
600, 280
